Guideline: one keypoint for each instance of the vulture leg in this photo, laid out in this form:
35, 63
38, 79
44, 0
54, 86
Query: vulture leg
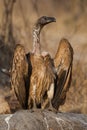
50, 94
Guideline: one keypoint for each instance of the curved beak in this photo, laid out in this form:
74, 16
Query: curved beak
51, 19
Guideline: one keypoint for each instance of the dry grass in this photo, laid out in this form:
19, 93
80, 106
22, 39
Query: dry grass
77, 96
4, 106
8, 101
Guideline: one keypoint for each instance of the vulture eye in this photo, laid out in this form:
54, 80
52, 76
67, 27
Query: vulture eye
43, 20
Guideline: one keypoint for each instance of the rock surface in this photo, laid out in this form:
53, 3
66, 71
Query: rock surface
43, 120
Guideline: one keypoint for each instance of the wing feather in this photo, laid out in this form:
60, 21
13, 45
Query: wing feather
63, 65
19, 74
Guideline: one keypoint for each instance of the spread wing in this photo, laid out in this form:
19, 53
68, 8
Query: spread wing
63, 64
20, 76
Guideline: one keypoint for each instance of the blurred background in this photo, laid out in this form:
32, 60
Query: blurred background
17, 18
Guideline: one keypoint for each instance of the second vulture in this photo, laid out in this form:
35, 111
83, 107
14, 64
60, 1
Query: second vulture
38, 80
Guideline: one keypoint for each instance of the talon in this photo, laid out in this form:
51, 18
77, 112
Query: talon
52, 109
35, 110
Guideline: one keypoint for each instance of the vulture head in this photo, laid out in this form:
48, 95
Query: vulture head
42, 21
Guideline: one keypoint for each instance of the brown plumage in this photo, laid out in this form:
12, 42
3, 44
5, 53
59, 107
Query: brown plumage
38, 80
32, 76
41, 80
63, 62
19, 75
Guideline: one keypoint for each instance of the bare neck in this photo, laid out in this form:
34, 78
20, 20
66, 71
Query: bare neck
36, 40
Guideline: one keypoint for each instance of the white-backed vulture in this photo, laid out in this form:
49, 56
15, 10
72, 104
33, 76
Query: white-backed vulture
38, 80
32, 76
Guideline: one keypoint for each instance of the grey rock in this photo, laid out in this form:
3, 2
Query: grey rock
43, 120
